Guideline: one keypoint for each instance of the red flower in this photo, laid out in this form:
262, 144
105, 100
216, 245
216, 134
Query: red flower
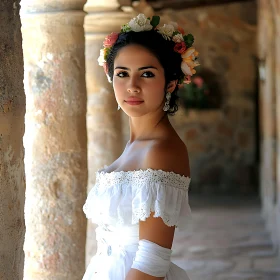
181, 30
110, 40
180, 47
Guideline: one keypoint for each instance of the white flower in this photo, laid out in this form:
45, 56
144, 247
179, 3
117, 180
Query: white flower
175, 24
178, 38
140, 23
101, 59
109, 79
166, 31
196, 63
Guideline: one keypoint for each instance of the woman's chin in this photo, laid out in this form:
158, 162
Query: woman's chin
134, 113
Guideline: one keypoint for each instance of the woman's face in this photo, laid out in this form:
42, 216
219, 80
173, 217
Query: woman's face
138, 81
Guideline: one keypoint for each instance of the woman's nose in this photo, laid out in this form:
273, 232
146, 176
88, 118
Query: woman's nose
133, 86
133, 89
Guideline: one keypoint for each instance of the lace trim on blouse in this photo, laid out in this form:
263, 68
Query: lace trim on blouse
125, 197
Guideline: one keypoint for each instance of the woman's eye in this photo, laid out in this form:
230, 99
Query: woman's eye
148, 74
122, 74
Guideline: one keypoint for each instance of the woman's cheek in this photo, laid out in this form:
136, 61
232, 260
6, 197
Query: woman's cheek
118, 89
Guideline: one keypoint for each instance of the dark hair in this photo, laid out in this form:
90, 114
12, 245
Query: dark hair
161, 48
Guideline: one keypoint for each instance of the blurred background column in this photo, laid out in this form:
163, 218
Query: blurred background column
268, 53
104, 128
276, 16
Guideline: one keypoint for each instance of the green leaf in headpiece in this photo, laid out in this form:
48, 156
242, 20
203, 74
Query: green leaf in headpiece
189, 39
125, 28
181, 79
176, 33
155, 21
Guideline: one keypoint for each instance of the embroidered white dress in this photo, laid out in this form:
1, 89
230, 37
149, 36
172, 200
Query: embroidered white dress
117, 202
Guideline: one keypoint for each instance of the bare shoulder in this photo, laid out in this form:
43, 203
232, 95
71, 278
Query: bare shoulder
168, 155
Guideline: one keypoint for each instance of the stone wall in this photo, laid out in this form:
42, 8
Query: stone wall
222, 143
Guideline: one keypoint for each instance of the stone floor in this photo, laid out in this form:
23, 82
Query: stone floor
226, 240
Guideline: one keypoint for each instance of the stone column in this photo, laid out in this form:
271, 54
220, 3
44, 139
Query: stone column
103, 119
266, 36
269, 50
12, 110
276, 16
55, 138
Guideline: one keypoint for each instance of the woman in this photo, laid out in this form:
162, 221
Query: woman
141, 198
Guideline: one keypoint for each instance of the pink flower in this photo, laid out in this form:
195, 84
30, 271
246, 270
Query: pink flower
180, 47
110, 40
105, 67
187, 79
198, 81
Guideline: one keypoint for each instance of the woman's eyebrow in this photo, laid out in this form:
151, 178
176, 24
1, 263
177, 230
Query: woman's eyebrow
120, 67
141, 68
147, 67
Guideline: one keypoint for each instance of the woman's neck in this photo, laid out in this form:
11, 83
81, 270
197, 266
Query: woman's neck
146, 128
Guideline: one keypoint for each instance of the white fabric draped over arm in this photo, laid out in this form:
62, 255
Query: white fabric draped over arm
152, 259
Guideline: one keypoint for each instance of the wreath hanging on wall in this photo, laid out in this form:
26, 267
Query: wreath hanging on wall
204, 92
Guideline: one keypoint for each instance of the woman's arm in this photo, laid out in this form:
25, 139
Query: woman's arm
166, 158
156, 231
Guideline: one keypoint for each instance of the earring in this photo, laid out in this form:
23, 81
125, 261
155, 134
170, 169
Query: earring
166, 105
119, 107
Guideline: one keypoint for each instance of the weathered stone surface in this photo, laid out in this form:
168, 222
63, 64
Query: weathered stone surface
242, 263
264, 263
56, 144
12, 110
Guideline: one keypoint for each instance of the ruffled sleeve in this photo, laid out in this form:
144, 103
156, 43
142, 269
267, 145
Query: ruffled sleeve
125, 197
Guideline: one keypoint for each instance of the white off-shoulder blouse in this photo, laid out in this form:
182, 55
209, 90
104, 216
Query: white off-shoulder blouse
118, 201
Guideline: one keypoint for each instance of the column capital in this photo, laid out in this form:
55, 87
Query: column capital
105, 23
41, 6
106, 16
101, 5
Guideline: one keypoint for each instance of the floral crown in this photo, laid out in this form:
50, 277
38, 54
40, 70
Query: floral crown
171, 31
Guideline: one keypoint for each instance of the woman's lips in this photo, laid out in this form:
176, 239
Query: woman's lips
133, 102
